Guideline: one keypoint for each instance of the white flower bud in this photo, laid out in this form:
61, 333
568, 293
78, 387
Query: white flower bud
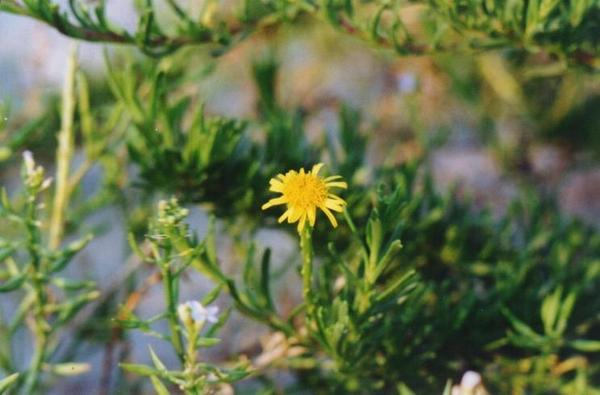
197, 313
29, 162
470, 380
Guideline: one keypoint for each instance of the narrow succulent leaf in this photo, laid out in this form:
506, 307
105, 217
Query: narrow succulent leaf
7, 382
159, 387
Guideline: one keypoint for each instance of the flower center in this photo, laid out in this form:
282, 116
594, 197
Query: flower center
305, 190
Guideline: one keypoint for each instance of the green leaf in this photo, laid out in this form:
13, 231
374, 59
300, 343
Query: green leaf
156, 360
72, 285
159, 387
375, 22
128, 320
140, 369
135, 247
5, 252
519, 325
68, 368
550, 310
448, 388
390, 254
565, 312
586, 345
7, 382
211, 296
235, 375
374, 236
532, 16
546, 7
211, 241
578, 10
65, 256
207, 341
14, 283
265, 278
394, 286
404, 390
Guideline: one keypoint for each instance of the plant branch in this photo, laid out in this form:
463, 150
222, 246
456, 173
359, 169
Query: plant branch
64, 154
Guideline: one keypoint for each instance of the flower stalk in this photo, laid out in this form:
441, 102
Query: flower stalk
307, 268
171, 301
35, 183
40, 328
193, 316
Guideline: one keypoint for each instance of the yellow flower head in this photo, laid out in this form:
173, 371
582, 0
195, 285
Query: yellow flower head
304, 192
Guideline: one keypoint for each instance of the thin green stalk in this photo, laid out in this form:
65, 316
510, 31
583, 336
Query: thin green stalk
356, 235
64, 153
39, 355
5, 343
171, 302
41, 328
307, 263
191, 358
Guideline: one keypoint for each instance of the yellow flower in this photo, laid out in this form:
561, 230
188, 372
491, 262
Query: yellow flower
304, 192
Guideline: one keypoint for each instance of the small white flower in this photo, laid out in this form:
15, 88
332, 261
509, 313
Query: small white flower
470, 380
470, 384
34, 174
29, 162
339, 283
198, 313
46, 183
211, 377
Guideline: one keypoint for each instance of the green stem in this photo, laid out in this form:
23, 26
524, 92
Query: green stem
41, 328
307, 263
41, 342
191, 358
171, 301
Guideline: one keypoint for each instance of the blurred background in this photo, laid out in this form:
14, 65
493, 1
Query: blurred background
502, 120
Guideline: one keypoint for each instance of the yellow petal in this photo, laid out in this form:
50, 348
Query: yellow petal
337, 184
274, 202
331, 178
276, 185
301, 222
335, 206
329, 215
284, 216
294, 215
316, 168
312, 215
336, 198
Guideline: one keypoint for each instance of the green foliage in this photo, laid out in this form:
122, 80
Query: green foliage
167, 233
563, 28
382, 312
413, 288
217, 160
32, 269
199, 160
566, 29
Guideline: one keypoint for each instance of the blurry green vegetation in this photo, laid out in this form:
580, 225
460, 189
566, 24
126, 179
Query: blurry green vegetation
568, 30
579, 127
48, 300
